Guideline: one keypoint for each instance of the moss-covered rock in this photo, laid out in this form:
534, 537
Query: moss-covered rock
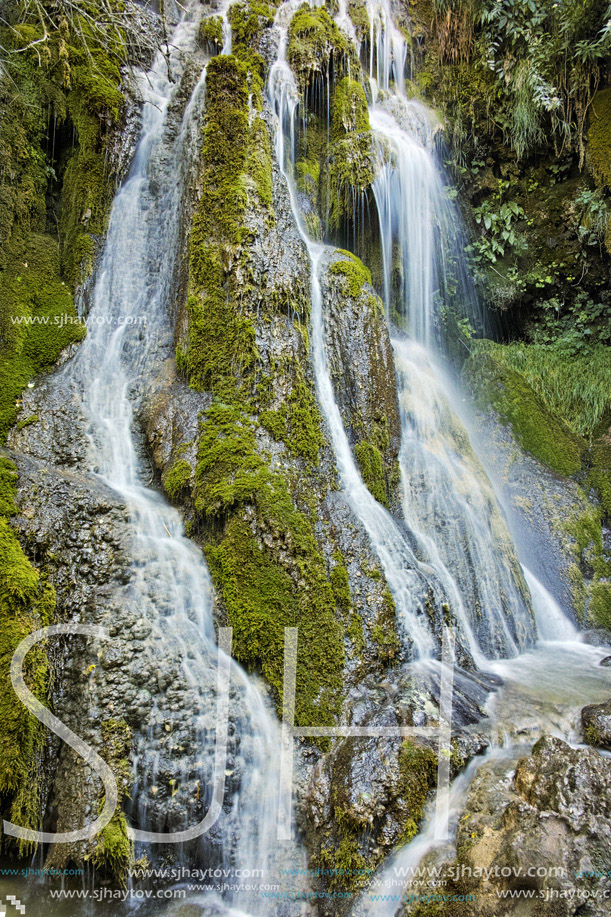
38, 321
537, 430
363, 372
27, 602
599, 137
114, 851
317, 46
357, 11
211, 34
349, 113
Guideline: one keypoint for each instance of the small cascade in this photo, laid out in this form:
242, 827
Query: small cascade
387, 50
448, 502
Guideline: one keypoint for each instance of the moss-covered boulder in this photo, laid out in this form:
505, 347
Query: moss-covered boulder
317, 46
362, 370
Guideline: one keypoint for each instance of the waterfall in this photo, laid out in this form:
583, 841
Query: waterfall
406, 578
452, 522
170, 585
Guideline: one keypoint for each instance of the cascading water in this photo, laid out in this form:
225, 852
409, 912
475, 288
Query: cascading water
493, 617
407, 581
170, 584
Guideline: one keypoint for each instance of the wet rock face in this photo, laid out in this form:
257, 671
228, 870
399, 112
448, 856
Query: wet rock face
361, 363
596, 722
543, 830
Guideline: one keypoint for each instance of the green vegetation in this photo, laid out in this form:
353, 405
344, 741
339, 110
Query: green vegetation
353, 270
114, 851
221, 340
38, 320
177, 479
519, 71
27, 602
384, 631
317, 45
261, 593
261, 548
576, 387
371, 466
537, 430
211, 34
360, 19
599, 137
418, 776
60, 100
350, 113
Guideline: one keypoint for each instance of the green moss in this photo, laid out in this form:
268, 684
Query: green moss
347, 866
263, 594
38, 320
178, 479
114, 851
27, 602
236, 172
316, 44
340, 583
303, 422
266, 565
210, 34
418, 776
360, 19
350, 170
248, 21
600, 471
28, 421
354, 271
274, 422
350, 113
77, 88
599, 608
384, 631
576, 387
262, 597
369, 459
537, 430
599, 137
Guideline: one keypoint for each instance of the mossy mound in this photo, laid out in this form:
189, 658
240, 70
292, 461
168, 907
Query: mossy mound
210, 34
352, 269
317, 46
114, 851
262, 592
350, 113
546, 436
